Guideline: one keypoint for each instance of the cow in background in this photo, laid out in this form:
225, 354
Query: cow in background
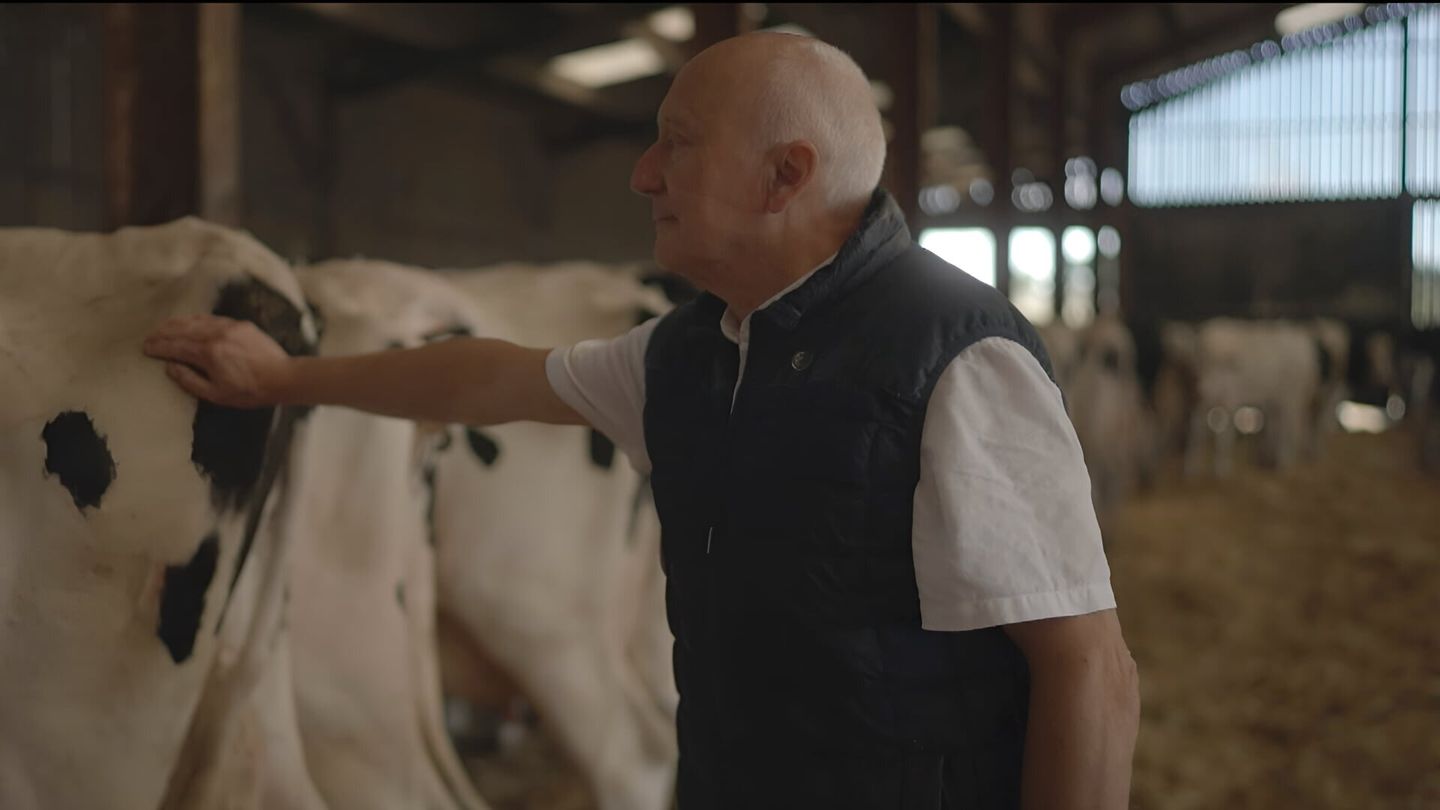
141, 574
1332, 346
362, 608
1272, 366
548, 546
1095, 368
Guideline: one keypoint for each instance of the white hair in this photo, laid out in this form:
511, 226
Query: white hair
814, 91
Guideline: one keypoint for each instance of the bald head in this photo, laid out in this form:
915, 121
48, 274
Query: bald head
767, 151
788, 88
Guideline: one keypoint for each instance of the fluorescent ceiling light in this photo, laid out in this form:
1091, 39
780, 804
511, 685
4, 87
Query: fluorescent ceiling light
613, 63
676, 23
1305, 16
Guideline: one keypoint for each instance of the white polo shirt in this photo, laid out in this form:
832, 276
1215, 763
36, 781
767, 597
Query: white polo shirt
1004, 530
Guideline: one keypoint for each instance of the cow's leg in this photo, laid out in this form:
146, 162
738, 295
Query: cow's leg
1195, 446
596, 706
1292, 438
419, 606
1224, 443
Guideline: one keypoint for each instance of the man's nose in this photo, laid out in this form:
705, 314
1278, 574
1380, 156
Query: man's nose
645, 178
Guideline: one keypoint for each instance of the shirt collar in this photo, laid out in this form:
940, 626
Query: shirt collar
732, 328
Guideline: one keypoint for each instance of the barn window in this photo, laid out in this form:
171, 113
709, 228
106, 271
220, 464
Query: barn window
1077, 247
1425, 263
1032, 273
970, 249
1332, 114
1422, 113
1422, 164
1107, 270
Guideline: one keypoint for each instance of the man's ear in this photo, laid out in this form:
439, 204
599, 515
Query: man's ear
792, 167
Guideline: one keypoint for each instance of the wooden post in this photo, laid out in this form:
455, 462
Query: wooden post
218, 42
1059, 144
171, 112
999, 56
910, 70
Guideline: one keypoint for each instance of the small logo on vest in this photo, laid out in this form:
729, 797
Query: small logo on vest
801, 360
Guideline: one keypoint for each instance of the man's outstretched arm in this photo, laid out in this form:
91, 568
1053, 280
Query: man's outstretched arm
475, 381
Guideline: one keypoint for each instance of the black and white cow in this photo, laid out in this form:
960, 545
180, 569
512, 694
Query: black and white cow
548, 546
141, 579
362, 607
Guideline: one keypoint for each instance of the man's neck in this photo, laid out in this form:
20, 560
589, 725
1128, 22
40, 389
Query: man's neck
792, 259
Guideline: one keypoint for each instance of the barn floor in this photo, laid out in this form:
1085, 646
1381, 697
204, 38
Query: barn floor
1287, 631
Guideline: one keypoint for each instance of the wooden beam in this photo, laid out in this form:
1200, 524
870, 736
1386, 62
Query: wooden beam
171, 114
1253, 22
218, 35
151, 107
996, 134
908, 66
1059, 109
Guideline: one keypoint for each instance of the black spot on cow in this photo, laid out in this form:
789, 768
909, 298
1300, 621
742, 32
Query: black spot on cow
400, 594
482, 446
1110, 359
1326, 362
79, 457
427, 475
229, 443
602, 450
183, 600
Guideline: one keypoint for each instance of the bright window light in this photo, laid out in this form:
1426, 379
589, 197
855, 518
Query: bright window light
1032, 273
1078, 245
970, 249
613, 63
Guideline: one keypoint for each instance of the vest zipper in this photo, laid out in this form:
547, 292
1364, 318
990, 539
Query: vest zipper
709, 535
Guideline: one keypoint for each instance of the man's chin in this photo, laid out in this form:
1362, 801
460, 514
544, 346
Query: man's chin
671, 263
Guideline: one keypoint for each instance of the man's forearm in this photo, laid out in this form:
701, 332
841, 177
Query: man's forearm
471, 380
1084, 717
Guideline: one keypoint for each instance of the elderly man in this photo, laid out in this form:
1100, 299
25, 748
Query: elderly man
886, 581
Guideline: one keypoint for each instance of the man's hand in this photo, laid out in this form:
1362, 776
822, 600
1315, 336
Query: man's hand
225, 361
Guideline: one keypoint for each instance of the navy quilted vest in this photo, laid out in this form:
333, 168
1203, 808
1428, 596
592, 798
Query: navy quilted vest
805, 678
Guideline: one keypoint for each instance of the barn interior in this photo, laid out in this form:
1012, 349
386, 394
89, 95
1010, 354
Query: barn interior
1158, 164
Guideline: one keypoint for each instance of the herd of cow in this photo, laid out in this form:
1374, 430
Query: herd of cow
1282, 381
203, 607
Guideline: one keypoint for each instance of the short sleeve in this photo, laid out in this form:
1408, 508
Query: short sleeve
1004, 529
604, 381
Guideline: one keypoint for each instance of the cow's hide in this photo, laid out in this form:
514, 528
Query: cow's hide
362, 611
548, 545
130, 522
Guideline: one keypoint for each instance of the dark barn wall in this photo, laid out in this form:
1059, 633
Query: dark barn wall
50, 133
1338, 259
420, 173
281, 146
